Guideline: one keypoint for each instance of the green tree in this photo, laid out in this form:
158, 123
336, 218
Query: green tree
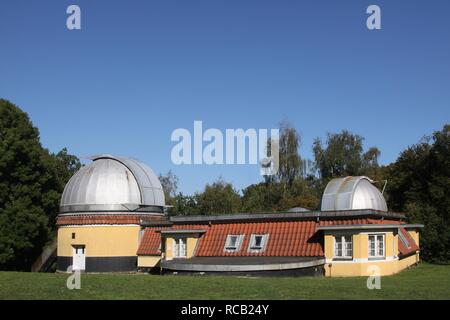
184, 205
262, 197
31, 182
219, 198
342, 155
303, 193
274, 197
291, 185
290, 162
169, 184
65, 166
419, 184
68, 164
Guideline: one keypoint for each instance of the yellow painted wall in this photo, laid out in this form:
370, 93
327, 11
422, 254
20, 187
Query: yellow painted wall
355, 269
328, 246
390, 244
360, 243
191, 246
415, 235
168, 253
388, 266
100, 241
395, 245
148, 261
408, 261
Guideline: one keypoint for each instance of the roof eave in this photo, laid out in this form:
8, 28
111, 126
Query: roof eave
311, 215
180, 231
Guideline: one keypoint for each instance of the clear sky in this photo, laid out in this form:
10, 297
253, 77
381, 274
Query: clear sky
137, 70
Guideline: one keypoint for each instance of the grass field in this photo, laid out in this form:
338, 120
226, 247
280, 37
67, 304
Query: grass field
423, 282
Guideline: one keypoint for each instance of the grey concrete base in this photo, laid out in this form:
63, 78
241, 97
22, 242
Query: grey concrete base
317, 271
245, 265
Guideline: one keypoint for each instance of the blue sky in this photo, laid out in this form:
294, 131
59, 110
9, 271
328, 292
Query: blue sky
137, 70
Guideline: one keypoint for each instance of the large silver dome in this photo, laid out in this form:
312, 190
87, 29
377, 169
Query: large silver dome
351, 193
113, 184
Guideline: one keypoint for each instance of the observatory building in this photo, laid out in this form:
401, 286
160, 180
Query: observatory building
112, 220
101, 210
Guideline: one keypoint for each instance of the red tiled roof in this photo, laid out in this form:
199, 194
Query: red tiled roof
103, 219
287, 239
150, 242
292, 238
405, 250
384, 221
357, 221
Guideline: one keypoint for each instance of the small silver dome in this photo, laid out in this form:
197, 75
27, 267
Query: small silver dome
351, 193
113, 184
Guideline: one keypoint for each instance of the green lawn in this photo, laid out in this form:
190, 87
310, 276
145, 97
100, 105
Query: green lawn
423, 282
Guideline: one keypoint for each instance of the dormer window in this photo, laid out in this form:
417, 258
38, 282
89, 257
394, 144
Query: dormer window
233, 242
258, 242
404, 240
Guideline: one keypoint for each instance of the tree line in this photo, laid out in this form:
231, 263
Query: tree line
32, 180
298, 182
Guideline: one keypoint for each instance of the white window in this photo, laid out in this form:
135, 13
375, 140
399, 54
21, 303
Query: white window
258, 242
376, 246
233, 242
79, 249
179, 248
343, 247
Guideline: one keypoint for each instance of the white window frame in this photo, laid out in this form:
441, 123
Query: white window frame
344, 246
228, 247
176, 244
377, 256
252, 248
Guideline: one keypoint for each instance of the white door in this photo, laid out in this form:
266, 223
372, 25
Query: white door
79, 258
